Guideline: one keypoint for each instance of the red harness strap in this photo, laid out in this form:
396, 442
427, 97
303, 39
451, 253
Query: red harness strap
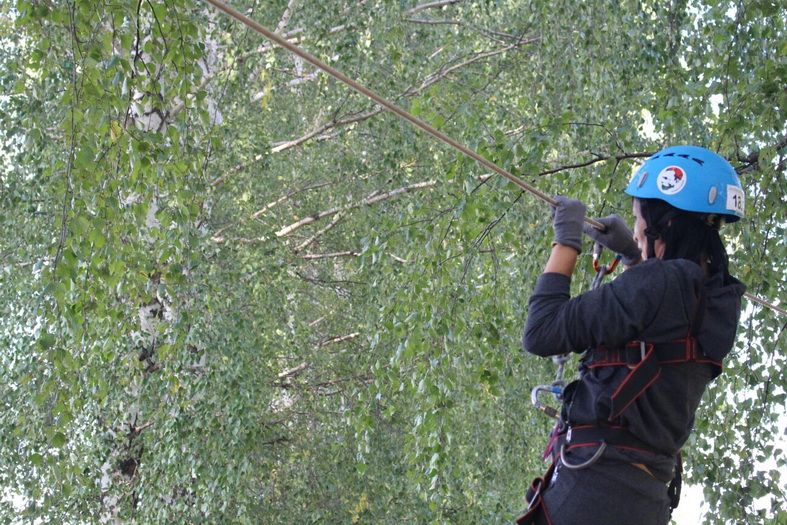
536, 512
645, 361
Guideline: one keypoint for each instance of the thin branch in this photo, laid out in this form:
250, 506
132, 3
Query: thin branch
327, 282
292, 372
319, 131
72, 137
285, 17
357, 117
218, 237
444, 71
430, 80
339, 339
294, 36
433, 22
314, 256
598, 158
398, 259
314, 237
312, 218
368, 201
287, 196
431, 5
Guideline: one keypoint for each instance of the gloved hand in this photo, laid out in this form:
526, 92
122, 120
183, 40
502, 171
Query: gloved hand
617, 237
567, 218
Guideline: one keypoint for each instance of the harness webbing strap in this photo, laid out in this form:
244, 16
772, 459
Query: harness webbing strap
581, 436
645, 361
641, 377
536, 512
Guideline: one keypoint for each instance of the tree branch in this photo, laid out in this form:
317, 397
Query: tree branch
368, 201
285, 17
287, 196
319, 130
444, 71
751, 160
314, 237
434, 22
430, 5
599, 158
430, 80
218, 237
313, 256
339, 339
287, 374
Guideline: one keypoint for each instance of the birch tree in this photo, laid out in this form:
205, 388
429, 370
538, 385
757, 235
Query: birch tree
234, 291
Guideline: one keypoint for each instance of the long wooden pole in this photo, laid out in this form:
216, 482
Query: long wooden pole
393, 108
390, 106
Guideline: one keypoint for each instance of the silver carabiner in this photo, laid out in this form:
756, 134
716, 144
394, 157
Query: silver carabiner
585, 464
555, 389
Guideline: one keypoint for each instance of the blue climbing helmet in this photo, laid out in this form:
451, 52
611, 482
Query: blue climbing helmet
690, 178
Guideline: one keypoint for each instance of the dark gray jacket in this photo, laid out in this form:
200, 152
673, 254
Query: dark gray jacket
653, 301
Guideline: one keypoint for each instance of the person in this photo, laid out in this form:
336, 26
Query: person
653, 339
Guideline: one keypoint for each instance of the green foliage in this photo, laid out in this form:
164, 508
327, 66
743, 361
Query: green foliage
233, 291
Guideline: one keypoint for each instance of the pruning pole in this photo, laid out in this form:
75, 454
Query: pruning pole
415, 121
390, 106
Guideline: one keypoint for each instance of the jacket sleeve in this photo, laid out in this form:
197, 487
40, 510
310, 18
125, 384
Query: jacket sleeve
611, 315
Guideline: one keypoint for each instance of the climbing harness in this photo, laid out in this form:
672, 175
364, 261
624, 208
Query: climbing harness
560, 435
644, 362
641, 176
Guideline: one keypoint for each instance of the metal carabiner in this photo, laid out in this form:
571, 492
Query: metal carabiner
605, 269
555, 389
585, 464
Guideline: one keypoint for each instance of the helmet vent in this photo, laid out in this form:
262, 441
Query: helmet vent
712, 194
681, 155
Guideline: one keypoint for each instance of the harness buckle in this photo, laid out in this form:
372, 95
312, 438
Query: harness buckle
632, 361
691, 349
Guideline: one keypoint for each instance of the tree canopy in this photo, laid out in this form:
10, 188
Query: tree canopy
232, 290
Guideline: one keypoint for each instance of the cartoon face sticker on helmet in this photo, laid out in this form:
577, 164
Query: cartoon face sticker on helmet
671, 180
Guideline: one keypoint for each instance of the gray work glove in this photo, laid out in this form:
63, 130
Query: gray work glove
567, 219
616, 237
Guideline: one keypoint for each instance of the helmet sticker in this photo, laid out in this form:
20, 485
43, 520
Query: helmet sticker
735, 199
671, 180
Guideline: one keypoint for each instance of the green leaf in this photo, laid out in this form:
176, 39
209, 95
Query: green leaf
47, 341
58, 440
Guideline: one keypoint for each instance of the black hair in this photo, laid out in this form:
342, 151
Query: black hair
686, 235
